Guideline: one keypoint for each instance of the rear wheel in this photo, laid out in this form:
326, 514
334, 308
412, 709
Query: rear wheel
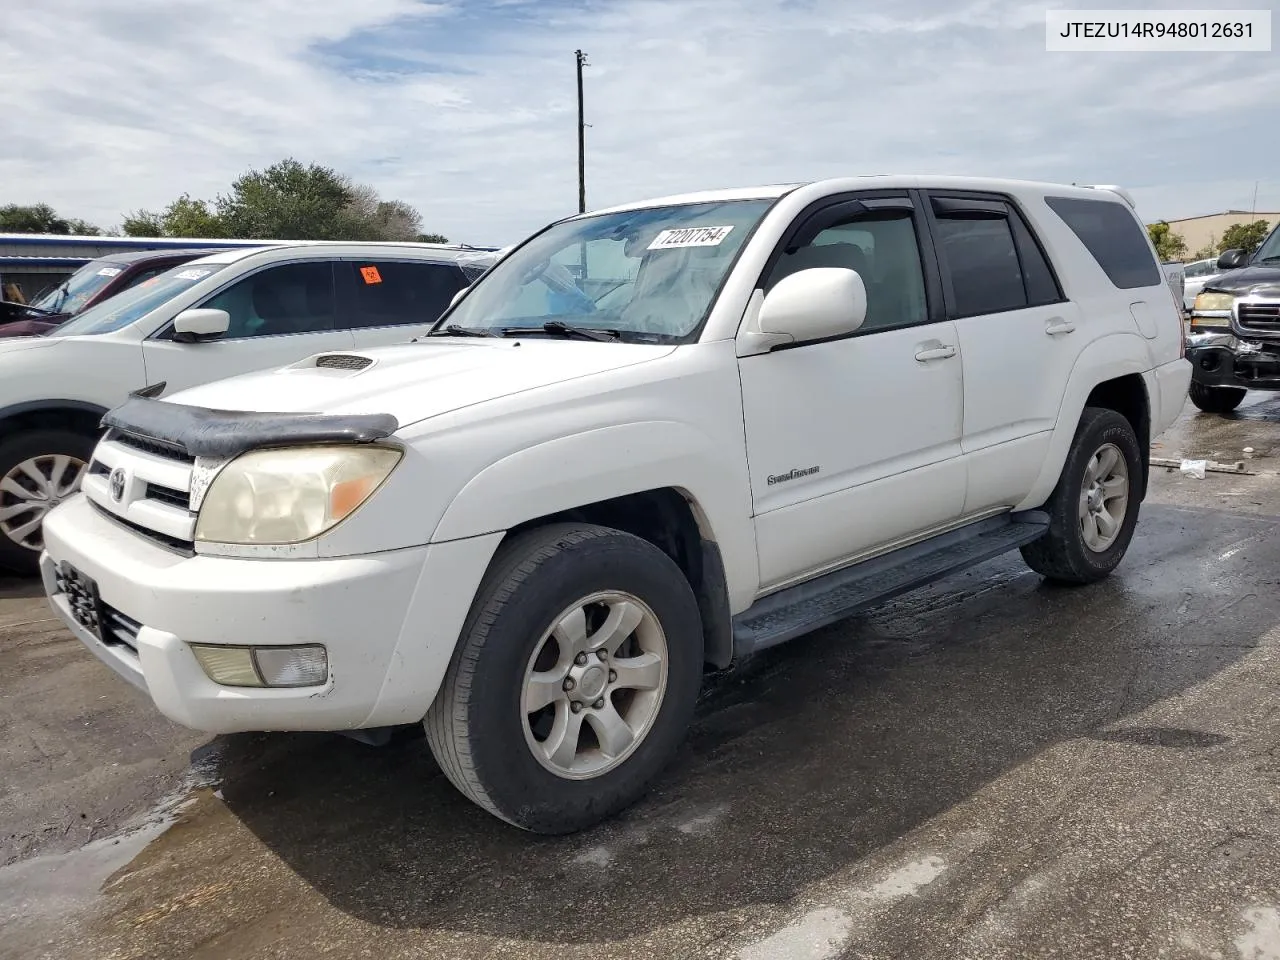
1216, 399
38, 470
1094, 508
574, 680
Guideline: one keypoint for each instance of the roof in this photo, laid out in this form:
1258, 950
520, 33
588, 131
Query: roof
173, 243
135, 256
831, 185
437, 253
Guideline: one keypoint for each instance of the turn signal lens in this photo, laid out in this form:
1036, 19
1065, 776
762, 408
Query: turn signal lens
229, 666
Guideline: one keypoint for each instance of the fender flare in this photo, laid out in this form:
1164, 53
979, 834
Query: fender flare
1107, 358
41, 406
628, 458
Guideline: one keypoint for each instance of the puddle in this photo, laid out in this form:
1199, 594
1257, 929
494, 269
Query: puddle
41, 897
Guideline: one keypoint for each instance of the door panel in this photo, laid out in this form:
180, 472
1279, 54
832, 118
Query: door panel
881, 427
1019, 338
855, 442
183, 365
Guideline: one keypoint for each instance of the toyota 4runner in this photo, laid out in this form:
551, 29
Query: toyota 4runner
650, 441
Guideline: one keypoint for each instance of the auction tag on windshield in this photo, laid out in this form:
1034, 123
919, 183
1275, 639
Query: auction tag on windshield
690, 237
191, 274
371, 274
109, 272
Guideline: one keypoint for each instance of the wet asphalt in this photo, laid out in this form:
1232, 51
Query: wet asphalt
989, 768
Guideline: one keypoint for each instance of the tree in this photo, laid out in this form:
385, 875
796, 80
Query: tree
1243, 236
432, 238
286, 201
1208, 251
1169, 245
41, 218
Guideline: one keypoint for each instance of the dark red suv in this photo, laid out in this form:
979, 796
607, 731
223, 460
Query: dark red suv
91, 284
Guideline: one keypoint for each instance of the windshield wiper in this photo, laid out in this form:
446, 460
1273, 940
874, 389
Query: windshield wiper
1268, 259
453, 330
568, 330
27, 306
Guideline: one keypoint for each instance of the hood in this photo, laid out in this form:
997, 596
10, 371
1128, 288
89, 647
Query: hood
1262, 279
18, 344
414, 381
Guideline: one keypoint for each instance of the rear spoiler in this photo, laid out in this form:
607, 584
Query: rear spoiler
1120, 192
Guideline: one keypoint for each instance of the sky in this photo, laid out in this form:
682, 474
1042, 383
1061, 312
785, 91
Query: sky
467, 108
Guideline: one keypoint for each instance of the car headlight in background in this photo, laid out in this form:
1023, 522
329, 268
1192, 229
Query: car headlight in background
1213, 301
290, 495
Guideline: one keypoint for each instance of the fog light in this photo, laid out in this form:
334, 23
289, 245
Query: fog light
263, 666
229, 666
292, 666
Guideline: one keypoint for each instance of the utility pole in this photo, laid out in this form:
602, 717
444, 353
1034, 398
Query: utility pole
582, 138
1253, 213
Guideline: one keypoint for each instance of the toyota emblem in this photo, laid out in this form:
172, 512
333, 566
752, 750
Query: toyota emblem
117, 484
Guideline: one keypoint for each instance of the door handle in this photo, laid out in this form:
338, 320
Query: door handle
1057, 326
934, 350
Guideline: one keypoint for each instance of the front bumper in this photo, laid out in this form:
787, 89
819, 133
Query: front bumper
389, 622
1223, 360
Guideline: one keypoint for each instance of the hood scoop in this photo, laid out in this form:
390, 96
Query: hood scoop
343, 361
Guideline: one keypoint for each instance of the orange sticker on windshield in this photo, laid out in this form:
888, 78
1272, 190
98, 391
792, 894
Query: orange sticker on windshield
371, 274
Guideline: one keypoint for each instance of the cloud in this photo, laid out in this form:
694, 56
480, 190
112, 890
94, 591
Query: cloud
466, 108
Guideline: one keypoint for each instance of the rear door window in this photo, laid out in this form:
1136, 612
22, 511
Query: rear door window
1112, 235
384, 293
982, 260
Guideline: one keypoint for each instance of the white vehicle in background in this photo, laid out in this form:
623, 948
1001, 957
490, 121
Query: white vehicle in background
649, 440
228, 313
1198, 273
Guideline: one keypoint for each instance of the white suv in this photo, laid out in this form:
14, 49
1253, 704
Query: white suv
225, 314
649, 441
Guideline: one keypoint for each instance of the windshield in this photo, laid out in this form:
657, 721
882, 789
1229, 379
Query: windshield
74, 292
136, 302
648, 274
1270, 249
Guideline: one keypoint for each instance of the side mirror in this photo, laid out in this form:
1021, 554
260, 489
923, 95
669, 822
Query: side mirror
1232, 259
192, 326
814, 304
458, 296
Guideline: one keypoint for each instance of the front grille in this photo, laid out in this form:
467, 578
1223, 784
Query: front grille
117, 628
1259, 317
343, 361
174, 498
148, 445
185, 547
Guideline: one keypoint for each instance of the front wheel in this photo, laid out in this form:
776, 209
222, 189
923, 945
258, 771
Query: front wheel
1216, 399
1094, 508
38, 470
574, 680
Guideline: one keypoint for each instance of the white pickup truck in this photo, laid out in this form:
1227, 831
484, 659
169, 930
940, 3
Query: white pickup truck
650, 441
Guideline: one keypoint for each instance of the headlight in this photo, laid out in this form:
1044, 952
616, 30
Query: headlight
1213, 301
290, 495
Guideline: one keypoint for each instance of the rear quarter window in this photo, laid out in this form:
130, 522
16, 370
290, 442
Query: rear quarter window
1111, 233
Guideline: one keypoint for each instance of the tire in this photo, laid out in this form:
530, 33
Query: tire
1216, 399
24, 498
497, 746
1064, 554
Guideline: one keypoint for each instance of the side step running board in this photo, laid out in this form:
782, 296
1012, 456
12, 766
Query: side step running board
827, 599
